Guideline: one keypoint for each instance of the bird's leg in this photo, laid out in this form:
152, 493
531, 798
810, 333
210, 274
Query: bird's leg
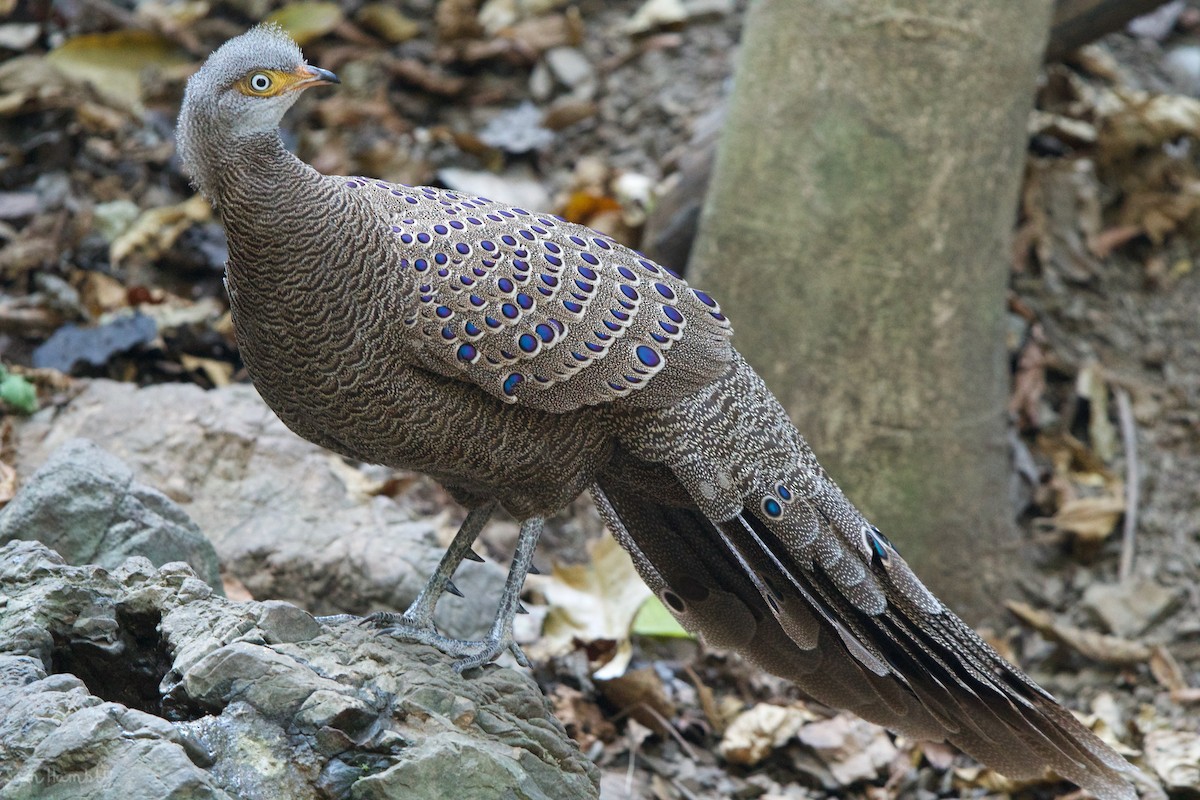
419, 614
500, 636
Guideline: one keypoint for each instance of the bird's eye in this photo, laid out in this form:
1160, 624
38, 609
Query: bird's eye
260, 82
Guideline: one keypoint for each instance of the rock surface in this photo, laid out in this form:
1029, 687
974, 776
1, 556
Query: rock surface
142, 683
286, 517
85, 504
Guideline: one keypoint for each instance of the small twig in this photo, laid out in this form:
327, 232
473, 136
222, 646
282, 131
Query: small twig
1132, 480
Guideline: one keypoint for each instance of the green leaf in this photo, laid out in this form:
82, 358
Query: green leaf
18, 393
653, 619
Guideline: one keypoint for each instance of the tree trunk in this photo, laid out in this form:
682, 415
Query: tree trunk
857, 234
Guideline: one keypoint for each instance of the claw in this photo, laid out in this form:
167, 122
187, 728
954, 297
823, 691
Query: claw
416, 625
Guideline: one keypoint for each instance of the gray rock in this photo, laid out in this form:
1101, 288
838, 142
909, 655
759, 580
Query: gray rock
166, 690
85, 503
286, 517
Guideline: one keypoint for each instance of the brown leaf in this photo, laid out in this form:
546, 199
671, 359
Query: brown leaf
640, 694
1096, 646
1091, 519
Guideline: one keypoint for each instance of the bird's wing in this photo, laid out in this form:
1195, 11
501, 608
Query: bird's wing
543, 312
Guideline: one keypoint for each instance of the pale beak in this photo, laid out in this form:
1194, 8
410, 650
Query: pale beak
312, 76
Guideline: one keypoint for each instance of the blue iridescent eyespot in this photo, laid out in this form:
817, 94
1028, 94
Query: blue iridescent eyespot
665, 291
509, 310
880, 547
589, 258
629, 292
544, 332
648, 355
441, 230
587, 272
508, 240
673, 314
510, 383
527, 343
440, 258
467, 352
525, 301
772, 508
463, 248
444, 312
785, 494
574, 308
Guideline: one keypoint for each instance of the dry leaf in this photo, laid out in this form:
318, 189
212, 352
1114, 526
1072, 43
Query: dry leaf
219, 373
583, 719
1096, 646
8, 483
757, 732
640, 694
593, 602
1091, 386
113, 62
1090, 519
1175, 758
156, 230
853, 749
307, 21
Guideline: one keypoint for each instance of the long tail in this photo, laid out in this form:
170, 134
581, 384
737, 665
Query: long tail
795, 579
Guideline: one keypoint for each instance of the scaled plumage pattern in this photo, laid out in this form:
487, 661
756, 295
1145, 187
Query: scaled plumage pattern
520, 360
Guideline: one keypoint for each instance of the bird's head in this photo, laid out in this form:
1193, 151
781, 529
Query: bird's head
243, 89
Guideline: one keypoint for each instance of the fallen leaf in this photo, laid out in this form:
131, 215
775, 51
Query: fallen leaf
219, 373
1091, 386
388, 22
583, 719
17, 392
113, 62
653, 619
307, 21
592, 602
1175, 758
757, 732
156, 230
640, 694
1096, 646
853, 749
1090, 519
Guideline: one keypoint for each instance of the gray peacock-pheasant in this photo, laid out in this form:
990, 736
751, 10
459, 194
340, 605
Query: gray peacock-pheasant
521, 360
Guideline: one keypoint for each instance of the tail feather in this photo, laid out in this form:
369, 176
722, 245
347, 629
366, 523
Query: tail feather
816, 595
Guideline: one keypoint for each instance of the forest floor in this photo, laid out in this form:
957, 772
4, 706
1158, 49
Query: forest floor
110, 267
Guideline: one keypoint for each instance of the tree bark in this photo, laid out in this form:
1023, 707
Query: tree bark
857, 235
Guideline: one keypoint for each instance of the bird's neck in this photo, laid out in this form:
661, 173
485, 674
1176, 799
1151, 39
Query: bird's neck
268, 200
253, 170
